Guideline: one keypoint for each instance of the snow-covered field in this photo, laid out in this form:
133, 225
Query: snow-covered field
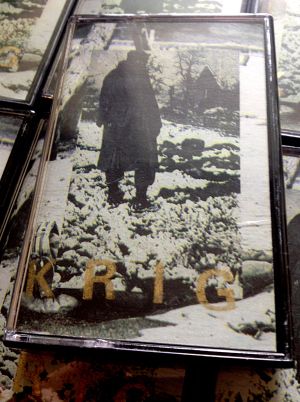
198, 325
254, 384
195, 226
16, 85
26, 31
287, 38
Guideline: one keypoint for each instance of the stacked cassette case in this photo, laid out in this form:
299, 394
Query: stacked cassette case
19, 132
158, 222
33, 32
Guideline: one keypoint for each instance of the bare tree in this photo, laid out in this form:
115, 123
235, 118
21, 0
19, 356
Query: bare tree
156, 74
188, 63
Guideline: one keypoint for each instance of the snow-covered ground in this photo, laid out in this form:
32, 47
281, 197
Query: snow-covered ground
28, 39
16, 85
197, 325
189, 231
254, 384
287, 37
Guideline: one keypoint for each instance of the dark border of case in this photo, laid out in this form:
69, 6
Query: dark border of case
45, 65
17, 163
283, 357
291, 148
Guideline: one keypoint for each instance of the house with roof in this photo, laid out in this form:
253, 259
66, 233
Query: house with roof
209, 92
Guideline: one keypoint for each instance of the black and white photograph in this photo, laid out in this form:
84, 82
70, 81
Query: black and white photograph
286, 14
16, 227
240, 383
154, 221
160, 6
28, 31
256, 384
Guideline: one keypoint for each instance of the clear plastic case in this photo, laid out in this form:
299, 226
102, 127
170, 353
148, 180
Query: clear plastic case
32, 34
158, 223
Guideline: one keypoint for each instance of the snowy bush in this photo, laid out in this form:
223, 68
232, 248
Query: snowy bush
6, 9
288, 63
218, 236
15, 32
223, 119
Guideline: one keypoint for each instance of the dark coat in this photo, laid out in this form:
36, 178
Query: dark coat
130, 115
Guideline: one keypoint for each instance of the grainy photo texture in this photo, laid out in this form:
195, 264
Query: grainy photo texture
241, 383
155, 222
17, 225
286, 15
160, 6
26, 30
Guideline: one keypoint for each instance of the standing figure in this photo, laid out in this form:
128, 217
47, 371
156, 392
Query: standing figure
130, 115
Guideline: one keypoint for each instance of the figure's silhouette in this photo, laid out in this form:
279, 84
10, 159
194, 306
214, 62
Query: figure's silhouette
130, 115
